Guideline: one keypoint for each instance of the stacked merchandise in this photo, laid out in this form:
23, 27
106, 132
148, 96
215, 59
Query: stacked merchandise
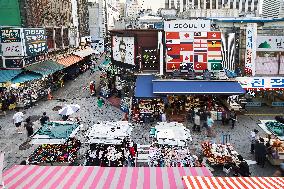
219, 154
275, 127
59, 153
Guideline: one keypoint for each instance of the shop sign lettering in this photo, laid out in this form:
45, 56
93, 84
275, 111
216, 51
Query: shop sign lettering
250, 54
9, 35
278, 104
12, 49
187, 25
35, 40
273, 83
270, 43
253, 104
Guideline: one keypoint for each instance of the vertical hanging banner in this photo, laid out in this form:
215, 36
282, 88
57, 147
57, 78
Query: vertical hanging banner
36, 41
251, 34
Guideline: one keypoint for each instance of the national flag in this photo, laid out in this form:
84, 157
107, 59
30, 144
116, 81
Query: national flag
214, 35
200, 35
200, 50
214, 43
199, 43
216, 66
200, 57
187, 56
186, 47
172, 41
174, 58
184, 36
173, 66
200, 66
173, 49
172, 35
184, 67
214, 49
214, 56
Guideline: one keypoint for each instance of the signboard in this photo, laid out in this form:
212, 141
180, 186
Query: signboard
150, 59
270, 43
193, 50
35, 59
12, 49
250, 54
253, 104
187, 25
35, 40
123, 49
13, 63
9, 35
98, 44
254, 83
278, 104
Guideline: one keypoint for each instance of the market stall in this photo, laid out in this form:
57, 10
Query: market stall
275, 151
109, 144
55, 154
219, 154
172, 133
55, 132
273, 127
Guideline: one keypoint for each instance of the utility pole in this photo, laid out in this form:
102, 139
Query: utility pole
106, 26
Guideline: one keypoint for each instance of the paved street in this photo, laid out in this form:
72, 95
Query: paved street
76, 92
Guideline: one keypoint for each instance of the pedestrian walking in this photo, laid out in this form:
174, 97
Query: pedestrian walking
210, 123
164, 117
196, 126
49, 95
100, 102
29, 127
44, 119
260, 152
233, 117
17, 120
92, 88
253, 139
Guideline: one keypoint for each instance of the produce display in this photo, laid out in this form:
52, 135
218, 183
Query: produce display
275, 127
60, 153
219, 154
277, 148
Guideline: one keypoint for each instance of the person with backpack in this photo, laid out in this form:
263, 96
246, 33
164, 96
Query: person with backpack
100, 102
44, 119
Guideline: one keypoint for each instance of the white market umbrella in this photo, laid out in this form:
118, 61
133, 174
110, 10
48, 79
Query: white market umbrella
69, 109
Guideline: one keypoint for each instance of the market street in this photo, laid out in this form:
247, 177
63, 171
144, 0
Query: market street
77, 92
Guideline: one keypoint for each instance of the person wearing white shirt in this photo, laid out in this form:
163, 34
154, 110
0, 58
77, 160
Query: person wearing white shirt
164, 117
18, 118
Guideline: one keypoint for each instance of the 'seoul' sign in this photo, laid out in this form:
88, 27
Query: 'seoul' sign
187, 25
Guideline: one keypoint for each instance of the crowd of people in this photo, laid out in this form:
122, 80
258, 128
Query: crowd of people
107, 155
171, 156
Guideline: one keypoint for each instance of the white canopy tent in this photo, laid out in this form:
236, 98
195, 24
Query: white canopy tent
172, 133
109, 132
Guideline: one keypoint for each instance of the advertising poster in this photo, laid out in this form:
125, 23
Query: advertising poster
123, 49
14, 63
270, 43
35, 40
250, 53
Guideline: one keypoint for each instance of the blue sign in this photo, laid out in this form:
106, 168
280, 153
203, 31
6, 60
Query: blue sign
278, 104
253, 104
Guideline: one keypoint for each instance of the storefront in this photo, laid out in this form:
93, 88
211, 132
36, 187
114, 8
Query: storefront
179, 96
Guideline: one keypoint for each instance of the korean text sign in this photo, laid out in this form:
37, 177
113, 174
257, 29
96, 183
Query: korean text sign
250, 53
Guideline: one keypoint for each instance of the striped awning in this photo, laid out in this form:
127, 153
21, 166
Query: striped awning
32, 176
199, 182
45, 68
70, 60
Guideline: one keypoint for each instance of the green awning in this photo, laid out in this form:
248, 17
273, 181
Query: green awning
21, 78
8, 75
45, 68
